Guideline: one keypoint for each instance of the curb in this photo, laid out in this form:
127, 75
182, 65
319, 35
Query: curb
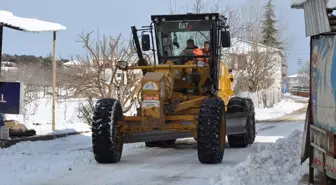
8, 143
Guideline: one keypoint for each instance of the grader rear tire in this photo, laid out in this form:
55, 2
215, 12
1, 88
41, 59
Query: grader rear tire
251, 122
107, 142
211, 131
238, 104
168, 143
152, 144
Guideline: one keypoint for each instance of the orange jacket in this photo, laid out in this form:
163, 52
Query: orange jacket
198, 51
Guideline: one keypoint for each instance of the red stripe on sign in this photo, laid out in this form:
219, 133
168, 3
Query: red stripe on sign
151, 97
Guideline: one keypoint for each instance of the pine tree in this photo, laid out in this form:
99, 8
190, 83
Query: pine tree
269, 30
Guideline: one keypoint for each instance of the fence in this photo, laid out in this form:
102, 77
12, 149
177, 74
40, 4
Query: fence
300, 91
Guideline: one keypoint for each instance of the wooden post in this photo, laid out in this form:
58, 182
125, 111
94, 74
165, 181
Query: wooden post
1, 36
54, 82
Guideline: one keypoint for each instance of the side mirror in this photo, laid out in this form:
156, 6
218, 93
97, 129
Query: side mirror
225, 39
122, 65
145, 42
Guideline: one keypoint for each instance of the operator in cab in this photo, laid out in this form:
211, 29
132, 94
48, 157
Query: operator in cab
206, 51
167, 45
192, 50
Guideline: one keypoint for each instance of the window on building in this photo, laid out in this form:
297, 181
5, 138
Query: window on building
242, 62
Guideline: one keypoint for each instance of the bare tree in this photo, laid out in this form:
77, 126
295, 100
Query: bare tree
304, 74
256, 66
95, 75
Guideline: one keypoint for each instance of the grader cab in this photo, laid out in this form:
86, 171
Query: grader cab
182, 94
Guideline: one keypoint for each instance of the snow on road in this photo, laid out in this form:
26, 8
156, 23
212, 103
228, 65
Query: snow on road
69, 161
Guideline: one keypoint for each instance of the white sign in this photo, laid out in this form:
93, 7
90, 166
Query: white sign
183, 25
150, 103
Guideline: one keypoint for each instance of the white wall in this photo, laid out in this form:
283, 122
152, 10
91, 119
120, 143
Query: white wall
263, 98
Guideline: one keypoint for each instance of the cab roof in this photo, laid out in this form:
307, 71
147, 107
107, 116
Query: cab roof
188, 16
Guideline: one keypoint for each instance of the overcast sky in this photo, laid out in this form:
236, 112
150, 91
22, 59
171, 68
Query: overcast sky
113, 17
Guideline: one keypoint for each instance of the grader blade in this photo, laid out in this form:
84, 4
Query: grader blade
236, 122
157, 136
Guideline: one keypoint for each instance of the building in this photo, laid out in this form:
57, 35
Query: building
297, 80
246, 58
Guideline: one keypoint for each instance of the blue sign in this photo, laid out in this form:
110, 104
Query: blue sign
11, 97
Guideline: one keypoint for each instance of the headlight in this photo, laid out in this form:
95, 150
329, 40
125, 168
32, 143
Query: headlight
122, 64
201, 64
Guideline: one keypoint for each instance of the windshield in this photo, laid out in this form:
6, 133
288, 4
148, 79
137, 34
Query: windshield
173, 37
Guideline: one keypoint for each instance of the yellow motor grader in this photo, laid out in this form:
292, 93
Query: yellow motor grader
182, 94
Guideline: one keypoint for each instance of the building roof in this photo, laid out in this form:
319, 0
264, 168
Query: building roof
242, 46
298, 4
293, 76
8, 19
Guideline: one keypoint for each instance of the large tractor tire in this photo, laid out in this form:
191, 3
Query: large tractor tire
238, 104
107, 140
211, 131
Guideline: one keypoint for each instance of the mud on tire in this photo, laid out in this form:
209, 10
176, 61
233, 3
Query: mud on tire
238, 104
107, 147
210, 140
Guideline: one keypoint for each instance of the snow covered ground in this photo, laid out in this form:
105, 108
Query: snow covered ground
287, 105
69, 161
39, 117
275, 164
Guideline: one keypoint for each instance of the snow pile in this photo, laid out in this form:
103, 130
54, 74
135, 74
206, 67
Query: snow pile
275, 164
285, 106
28, 24
31, 162
40, 162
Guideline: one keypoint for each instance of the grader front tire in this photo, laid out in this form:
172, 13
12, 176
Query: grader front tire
211, 131
107, 142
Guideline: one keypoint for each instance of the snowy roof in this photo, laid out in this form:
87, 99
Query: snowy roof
242, 46
299, 3
293, 76
8, 19
73, 62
